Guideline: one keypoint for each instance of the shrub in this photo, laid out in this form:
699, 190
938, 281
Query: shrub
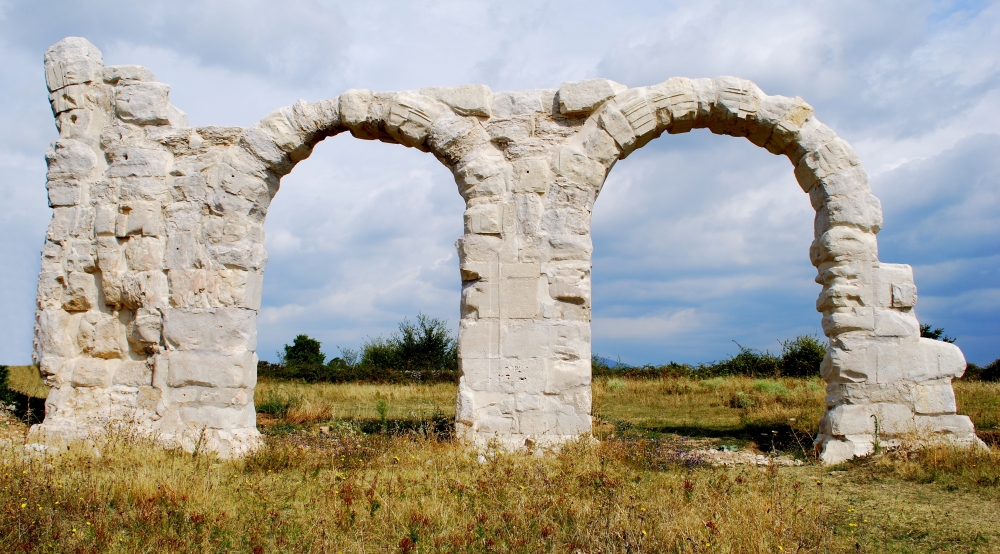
936, 334
7, 396
421, 351
275, 403
771, 388
990, 372
750, 362
304, 351
802, 356
615, 384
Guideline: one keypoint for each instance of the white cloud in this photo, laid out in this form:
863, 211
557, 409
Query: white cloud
647, 327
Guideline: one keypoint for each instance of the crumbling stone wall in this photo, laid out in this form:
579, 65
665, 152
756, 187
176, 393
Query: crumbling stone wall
153, 262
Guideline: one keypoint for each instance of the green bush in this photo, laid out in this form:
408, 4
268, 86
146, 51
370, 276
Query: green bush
771, 388
990, 372
750, 362
802, 356
936, 334
8, 397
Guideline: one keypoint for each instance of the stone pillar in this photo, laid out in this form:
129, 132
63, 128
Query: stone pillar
524, 338
151, 268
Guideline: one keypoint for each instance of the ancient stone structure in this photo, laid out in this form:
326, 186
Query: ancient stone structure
153, 262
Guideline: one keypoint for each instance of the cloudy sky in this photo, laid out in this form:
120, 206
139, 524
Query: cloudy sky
700, 240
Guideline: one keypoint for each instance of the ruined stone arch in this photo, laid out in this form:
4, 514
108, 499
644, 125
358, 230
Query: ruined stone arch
153, 262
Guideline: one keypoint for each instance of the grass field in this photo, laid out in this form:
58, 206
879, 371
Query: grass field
366, 468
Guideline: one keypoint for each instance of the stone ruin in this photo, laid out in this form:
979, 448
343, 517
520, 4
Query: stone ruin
152, 266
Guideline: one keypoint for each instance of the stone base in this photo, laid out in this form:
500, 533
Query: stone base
224, 443
513, 442
834, 450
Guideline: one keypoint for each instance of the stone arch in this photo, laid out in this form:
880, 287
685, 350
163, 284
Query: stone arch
154, 259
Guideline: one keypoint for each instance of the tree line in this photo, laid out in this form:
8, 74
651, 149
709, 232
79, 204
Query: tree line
425, 351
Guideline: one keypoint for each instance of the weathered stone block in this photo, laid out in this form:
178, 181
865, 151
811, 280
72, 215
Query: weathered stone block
134, 161
637, 110
209, 369
81, 292
481, 177
143, 103
133, 374
904, 295
894, 323
474, 100
145, 330
958, 425
885, 277
215, 330
354, 107
91, 372
578, 168
614, 122
99, 336
848, 319
531, 175
484, 219
862, 210
519, 376
524, 339
52, 333
71, 61
828, 159
934, 398
583, 97
517, 103
114, 73
215, 417
934, 359
70, 159
144, 253
63, 193
563, 376
478, 339
519, 298
139, 218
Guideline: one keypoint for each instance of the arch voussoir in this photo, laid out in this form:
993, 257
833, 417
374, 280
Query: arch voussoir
153, 261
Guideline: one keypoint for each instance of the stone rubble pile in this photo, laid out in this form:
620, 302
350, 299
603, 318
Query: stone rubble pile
731, 458
153, 262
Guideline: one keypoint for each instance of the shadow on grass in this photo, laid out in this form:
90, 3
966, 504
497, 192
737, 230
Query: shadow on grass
439, 426
781, 438
29, 410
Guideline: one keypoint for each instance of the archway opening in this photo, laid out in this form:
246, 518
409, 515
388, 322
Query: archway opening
700, 241
359, 236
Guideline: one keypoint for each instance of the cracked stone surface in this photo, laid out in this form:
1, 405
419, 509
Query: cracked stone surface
152, 266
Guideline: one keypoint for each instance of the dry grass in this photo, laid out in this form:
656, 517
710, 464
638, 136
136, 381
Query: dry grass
26, 380
358, 493
383, 476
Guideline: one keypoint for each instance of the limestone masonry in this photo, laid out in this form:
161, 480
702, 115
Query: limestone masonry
153, 262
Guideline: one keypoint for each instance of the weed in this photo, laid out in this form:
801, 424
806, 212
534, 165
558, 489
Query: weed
276, 403
771, 388
615, 384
